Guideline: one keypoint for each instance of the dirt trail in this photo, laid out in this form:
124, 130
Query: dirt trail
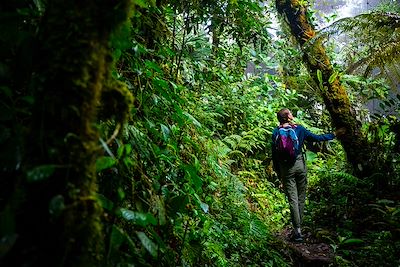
309, 253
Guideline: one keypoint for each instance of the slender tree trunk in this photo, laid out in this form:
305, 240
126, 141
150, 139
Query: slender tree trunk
58, 222
333, 93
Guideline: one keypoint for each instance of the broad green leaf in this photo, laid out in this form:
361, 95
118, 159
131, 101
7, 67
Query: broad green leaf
192, 119
165, 131
197, 181
128, 162
138, 218
332, 78
196, 162
204, 207
128, 149
120, 151
153, 66
103, 163
140, 3
56, 205
144, 3
28, 99
319, 76
207, 226
117, 238
121, 193
310, 156
40, 173
105, 202
149, 245
161, 83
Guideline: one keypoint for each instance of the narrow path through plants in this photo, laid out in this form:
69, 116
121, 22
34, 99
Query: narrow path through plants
311, 252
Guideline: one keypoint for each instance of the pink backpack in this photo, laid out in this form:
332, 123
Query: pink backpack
286, 143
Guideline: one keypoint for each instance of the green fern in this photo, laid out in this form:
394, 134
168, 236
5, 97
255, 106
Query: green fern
257, 228
344, 176
233, 140
215, 251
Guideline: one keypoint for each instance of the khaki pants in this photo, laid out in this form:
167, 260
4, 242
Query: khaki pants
294, 178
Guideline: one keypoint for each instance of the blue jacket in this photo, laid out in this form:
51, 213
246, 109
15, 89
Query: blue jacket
302, 134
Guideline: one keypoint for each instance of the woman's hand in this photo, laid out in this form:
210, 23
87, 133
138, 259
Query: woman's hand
339, 132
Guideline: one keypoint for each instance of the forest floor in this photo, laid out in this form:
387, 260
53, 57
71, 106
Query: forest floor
311, 252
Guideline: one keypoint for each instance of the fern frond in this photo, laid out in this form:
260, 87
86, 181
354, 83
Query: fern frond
346, 177
365, 25
374, 38
222, 150
236, 152
381, 56
139, 140
247, 173
233, 140
258, 228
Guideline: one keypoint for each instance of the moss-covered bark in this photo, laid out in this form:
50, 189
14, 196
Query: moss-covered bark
58, 222
333, 93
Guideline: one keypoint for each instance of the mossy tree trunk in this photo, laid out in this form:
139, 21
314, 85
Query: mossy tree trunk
58, 221
333, 93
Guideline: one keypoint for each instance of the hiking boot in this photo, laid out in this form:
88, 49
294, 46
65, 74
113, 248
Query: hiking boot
297, 238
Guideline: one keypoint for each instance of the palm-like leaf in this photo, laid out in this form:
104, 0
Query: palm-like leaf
373, 41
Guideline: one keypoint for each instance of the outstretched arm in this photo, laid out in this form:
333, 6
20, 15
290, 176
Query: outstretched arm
309, 136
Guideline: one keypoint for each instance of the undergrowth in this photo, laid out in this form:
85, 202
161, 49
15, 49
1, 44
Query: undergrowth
358, 220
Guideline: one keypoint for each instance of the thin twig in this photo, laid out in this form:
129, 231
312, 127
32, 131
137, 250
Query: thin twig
115, 133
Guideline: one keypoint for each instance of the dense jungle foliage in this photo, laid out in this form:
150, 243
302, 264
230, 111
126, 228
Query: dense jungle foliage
137, 132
